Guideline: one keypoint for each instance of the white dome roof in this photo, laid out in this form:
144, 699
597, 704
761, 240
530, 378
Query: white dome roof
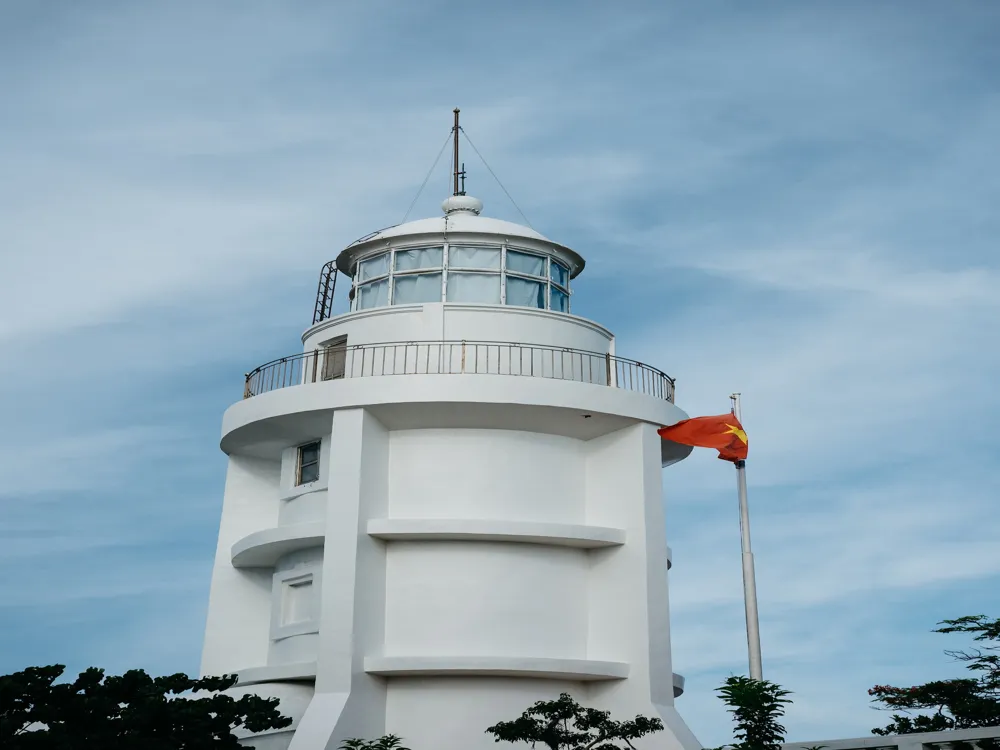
459, 221
462, 216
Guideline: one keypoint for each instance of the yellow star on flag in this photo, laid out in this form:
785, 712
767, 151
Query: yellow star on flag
734, 430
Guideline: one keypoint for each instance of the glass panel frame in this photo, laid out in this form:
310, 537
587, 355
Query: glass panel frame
525, 263
559, 274
373, 268
415, 259
307, 463
416, 288
372, 294
478, 257
472, 279
525, 289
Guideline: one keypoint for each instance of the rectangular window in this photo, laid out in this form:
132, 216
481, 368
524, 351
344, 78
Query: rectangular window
298, 601
560, 274
418, 258
560, 300
374, 294
460, 256
373, 267
525, 293
415, 288
335, 359
533, 265
308, 463
483, 288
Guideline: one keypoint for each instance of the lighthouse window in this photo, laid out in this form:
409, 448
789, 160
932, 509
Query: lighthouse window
373, 294
373, 267
416, 287
460, 256
483, 288
298, 600
524, 292
533, 265
560, 275
560, 300
308, 468
418, 258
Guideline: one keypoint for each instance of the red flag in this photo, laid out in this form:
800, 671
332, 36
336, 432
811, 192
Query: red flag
724, 433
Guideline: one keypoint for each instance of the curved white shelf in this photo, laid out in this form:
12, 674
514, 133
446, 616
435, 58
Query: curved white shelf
263, 549
496, 666
678, 685
426, 666
525, 532
670, 558
303, 670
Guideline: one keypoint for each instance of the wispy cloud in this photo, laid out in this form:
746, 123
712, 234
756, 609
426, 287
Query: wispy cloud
796, 202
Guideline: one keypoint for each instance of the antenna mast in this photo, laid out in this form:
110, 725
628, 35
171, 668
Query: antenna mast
459, 172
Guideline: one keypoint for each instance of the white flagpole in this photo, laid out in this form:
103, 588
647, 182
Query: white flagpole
749, 580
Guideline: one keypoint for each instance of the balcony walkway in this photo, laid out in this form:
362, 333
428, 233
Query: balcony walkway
459, 358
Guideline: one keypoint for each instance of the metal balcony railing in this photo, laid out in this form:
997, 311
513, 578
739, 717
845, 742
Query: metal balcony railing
459, 358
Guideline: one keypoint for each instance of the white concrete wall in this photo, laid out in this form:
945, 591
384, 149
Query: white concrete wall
239, 610
349, 702
485, 599
462, 709
628, 594
454, 322
494, 474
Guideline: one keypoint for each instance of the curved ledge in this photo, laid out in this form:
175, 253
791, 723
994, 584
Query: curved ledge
303, 670
263, 549
530, 404
585, 670
670, 558
678, 685
302, 490
525, 532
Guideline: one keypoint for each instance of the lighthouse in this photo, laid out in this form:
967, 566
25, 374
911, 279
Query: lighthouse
449, 504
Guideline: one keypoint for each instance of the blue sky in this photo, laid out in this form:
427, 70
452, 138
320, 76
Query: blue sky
793, 200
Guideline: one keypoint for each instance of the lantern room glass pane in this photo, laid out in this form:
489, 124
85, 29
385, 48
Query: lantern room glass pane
375, 294
416, 288
461, 256
560, 300
560, 274
417, 258
373, 267
525, 293
482, 288
525, 263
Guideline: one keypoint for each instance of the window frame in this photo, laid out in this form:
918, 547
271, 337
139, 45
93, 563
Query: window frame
503, 272
299, 465
283, 580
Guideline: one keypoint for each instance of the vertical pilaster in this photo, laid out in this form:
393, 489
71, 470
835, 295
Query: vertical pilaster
348, 702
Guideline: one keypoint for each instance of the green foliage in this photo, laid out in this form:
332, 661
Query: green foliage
563, 723
386, 742
130, 712
756, 706
961, 703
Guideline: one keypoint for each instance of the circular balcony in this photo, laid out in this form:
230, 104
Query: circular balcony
459, 358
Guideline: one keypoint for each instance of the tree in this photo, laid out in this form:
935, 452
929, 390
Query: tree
130, 712
756, 706
961, 703
563, 724
386, 742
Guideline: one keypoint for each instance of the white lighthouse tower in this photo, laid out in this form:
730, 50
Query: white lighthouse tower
449, 505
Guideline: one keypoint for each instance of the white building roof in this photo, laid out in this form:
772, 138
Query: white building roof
462, 216
460, 221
